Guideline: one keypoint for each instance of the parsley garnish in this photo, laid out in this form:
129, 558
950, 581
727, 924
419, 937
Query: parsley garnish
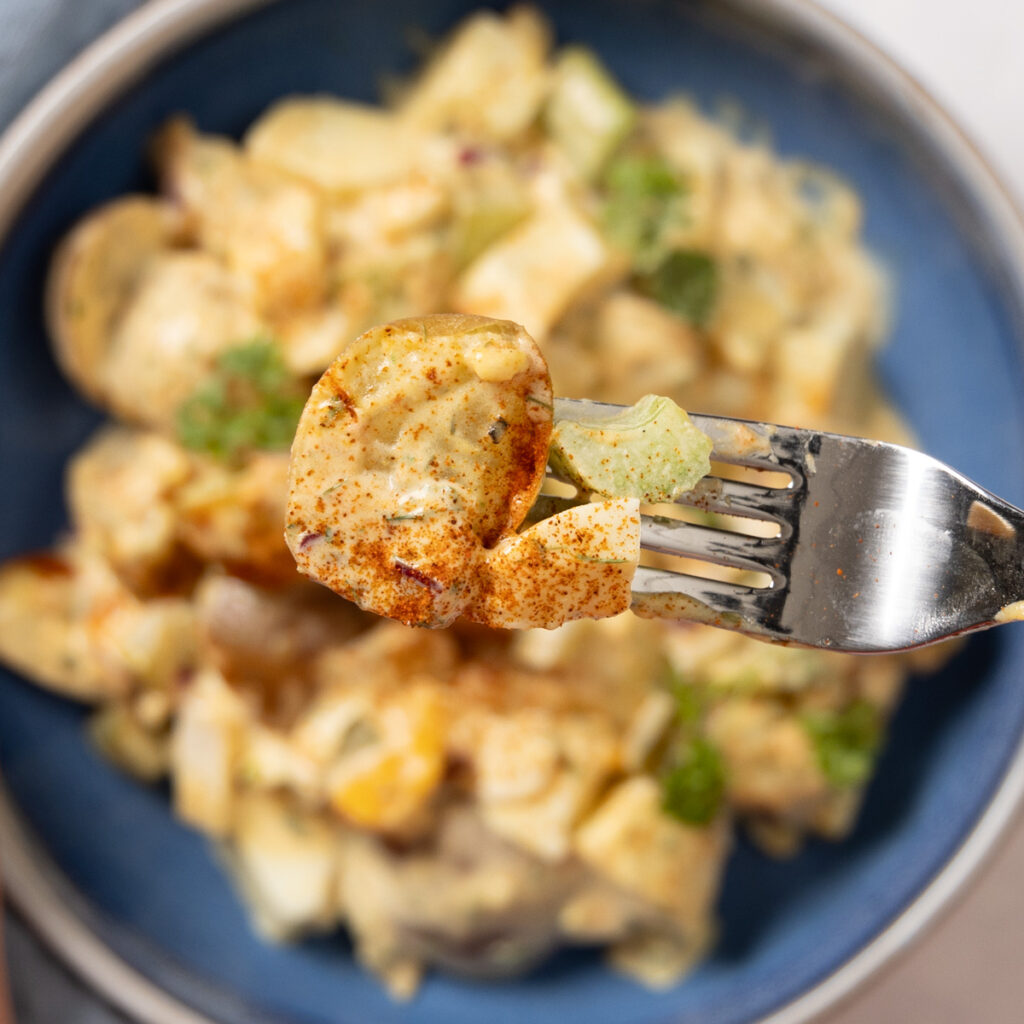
689, 704
644, 200
692, 771
846, 741
693, 787
249, 402
686, 282
645, 204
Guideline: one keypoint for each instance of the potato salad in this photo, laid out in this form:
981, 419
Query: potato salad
465, 797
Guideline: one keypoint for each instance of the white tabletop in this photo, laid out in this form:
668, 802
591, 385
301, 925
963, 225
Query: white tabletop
969, 56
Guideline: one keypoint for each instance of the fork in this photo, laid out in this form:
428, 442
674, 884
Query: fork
877, 547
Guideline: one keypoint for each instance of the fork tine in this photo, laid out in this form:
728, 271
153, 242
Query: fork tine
737, 498
661, 593
758, 445
691, 540
707, 544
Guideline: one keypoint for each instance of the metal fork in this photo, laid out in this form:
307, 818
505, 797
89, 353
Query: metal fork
878, 547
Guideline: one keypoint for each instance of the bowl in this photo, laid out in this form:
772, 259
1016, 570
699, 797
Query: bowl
136, 902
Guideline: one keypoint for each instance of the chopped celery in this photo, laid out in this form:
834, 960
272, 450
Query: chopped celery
587, 114
650, 451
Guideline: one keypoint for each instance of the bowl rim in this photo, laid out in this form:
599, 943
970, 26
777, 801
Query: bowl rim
29, 147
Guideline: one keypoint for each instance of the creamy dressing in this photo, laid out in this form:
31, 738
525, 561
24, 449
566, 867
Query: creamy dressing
418, 456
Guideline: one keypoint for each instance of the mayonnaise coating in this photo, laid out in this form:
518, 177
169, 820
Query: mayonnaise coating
418, 455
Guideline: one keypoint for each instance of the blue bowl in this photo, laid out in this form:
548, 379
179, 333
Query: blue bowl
97, 860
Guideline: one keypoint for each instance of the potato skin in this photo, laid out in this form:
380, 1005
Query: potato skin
93, 276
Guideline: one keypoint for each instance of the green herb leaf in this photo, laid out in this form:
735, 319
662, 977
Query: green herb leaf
686, 282
691, 698
643, 178
846, 741
694, 785
689, 702
249, 402
644, 202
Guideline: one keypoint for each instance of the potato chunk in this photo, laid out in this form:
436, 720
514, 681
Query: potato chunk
205, 748
233, 514
417, 457
341, 147
538, 269
488, 81
422, 445
120, 489
186, 311
41, 631
265, 225
578, 564
630, 841
93, 276
287, 864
